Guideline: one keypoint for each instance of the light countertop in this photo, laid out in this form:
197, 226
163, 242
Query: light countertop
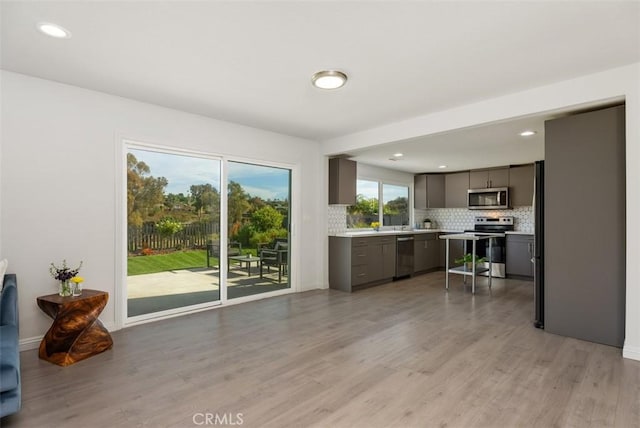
366, 233
469, 236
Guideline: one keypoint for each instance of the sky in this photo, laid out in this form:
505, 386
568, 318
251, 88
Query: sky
389, 191
182, 171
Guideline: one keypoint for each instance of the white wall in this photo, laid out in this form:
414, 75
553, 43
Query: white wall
58, 182
384, 174
618, 83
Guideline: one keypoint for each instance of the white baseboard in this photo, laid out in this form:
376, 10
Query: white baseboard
631, 352
30, 343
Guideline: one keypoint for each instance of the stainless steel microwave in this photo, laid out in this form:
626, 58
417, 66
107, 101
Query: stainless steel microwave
496, 198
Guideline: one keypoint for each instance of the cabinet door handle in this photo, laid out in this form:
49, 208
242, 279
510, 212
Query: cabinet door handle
361, 274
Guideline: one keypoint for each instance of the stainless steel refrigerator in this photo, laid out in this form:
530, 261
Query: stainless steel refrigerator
538, 247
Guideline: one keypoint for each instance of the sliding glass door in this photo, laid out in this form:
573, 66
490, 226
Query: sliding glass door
173, 231
258, 207
177, 257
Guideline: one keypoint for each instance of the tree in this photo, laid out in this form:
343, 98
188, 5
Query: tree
206, 198
238, 203
266, 218
173, 201
396, 206
364, 206
144, 192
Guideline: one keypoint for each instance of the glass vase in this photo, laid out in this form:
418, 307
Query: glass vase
65, 289
77, 289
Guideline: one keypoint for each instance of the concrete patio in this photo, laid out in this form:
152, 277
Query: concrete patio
162, 291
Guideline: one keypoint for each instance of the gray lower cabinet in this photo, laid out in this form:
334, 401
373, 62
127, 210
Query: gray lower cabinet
426, 252
456, 250
519, 255
361, 262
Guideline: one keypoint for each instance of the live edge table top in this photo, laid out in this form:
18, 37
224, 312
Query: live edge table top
57, 299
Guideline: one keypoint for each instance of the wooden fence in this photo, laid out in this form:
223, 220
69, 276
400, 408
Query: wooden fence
192, 235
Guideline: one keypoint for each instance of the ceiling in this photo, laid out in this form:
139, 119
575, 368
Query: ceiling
251, 62
484, 146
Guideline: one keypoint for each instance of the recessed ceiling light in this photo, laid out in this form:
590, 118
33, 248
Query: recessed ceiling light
527, 133
442, 166
398, 155
329, 79
54, 30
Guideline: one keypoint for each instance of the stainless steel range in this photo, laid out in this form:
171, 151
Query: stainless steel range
492, 225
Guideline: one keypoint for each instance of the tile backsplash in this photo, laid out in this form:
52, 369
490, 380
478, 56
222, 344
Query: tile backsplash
337, 219
459, 219
454, 219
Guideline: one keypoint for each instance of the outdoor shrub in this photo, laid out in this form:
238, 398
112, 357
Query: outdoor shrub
266, 218
267, 237
168, 227
245, 233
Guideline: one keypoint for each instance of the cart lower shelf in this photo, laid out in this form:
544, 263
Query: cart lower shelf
461, 270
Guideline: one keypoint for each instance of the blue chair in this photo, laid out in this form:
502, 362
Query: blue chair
10, 389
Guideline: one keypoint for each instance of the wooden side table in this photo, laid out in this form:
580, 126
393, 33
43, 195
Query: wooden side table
76, 332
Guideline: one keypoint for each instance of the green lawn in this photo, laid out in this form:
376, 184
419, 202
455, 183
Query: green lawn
139, 265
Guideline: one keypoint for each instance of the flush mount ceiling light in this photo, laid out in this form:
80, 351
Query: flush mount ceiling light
398, 155
527, 133
442, 166
54, 30
329, 79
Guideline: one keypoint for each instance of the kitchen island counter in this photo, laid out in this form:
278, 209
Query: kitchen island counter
471, 236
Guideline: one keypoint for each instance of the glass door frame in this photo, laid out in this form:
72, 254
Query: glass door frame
121, 292
294, 210
139, 319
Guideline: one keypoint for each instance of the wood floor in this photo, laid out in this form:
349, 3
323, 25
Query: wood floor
402, 354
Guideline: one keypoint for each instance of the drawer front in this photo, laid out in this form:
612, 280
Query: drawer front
359, 275
359, 256
360, 242
385, 239
520, 238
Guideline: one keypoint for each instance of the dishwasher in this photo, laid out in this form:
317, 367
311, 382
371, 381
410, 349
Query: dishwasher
404, 256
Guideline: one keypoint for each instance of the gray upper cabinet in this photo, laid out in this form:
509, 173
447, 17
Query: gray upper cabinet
342, 181
487, 178
428, 191
521, 180
455, 189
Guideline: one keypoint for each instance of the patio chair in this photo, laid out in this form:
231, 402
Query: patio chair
213, 250
278, 257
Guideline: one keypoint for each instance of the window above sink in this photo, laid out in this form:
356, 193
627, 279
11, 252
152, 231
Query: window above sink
388, 204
